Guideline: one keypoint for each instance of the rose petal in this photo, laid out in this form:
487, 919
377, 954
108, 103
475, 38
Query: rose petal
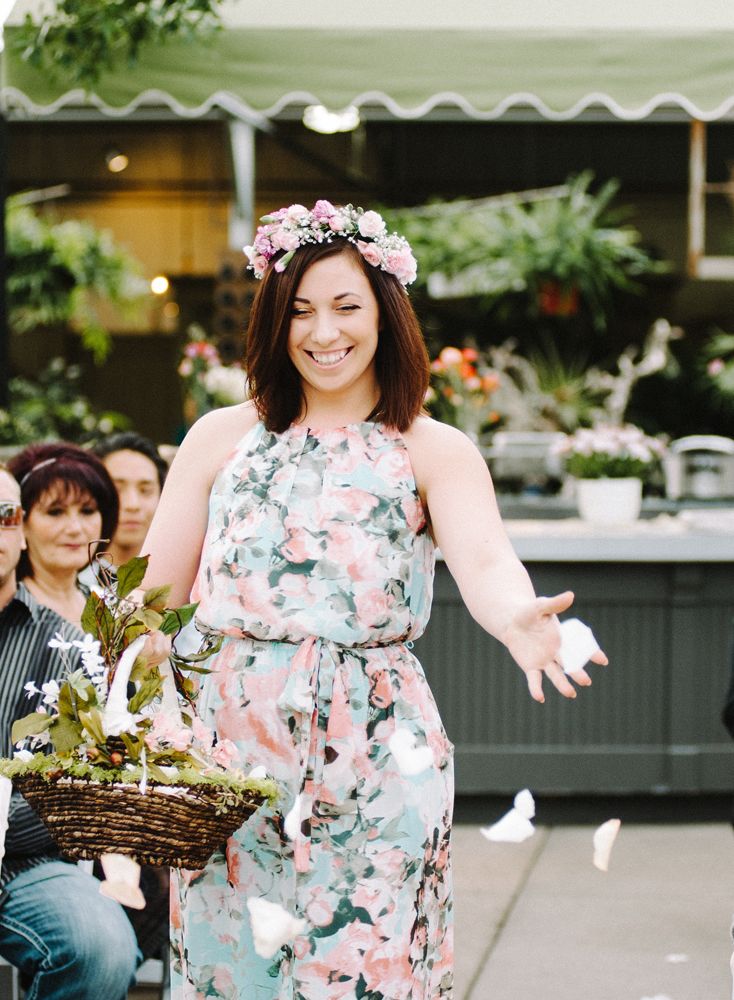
577, 645
122, 880
512, 828
292, 822
410, 758
604, 837
525, 803
272, 926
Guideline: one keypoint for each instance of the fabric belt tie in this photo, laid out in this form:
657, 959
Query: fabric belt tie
318, 676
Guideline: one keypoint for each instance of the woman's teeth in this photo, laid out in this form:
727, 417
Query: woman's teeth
328, 358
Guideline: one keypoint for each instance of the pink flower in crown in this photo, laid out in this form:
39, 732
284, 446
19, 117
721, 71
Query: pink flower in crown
284, 239
296, 212
370, 253
402, 264
337, 224
323, 210
260, 263
371, 224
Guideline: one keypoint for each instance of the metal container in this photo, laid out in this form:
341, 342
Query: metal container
700, 467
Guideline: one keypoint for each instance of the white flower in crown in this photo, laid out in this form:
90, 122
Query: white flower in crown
284, 231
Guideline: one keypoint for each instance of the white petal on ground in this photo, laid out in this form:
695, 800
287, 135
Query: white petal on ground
410, 759
604, 837
577, 645
258, 772
122, 880
658, 996
515, 825
272, 926
677, 958
525, 803
292, 822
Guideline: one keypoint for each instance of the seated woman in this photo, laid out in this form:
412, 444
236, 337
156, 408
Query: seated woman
70, 504
138, 472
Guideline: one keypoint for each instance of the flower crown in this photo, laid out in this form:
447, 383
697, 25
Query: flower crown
293, 227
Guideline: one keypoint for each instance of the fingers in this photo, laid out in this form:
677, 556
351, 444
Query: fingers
599, 657
535, 685
557, 604
560, 681
157, 648
581, 678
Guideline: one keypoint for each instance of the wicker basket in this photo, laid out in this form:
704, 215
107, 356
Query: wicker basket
175, 826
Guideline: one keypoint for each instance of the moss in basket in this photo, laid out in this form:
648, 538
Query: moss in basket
92, 729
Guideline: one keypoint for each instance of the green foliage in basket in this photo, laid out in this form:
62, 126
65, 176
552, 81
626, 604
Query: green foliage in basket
90, 727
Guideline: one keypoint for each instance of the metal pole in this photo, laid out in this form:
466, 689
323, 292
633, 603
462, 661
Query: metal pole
696, 196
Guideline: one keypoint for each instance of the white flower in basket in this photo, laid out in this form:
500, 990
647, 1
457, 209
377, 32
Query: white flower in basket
110, 761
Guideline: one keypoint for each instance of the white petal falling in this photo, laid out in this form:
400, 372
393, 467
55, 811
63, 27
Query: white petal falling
604, 837
525, 803
578, 645
411, 759
258, 772
272, 926
677, 958
515, 826
122, 880
292, 822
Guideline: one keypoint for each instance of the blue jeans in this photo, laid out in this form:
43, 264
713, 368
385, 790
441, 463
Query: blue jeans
67, 940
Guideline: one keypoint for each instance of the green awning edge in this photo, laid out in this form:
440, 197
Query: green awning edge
257, 73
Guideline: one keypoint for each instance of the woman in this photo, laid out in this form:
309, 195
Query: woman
309, 519
70, 503
138, 472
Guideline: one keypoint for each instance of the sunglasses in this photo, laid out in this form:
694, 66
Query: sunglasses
11, 514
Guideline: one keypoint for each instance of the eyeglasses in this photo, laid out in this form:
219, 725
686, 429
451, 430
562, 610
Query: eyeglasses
11, 514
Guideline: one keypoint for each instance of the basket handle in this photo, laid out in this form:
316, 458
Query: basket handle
116, 718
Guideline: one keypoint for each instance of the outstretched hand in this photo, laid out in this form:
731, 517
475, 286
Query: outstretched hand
533, 639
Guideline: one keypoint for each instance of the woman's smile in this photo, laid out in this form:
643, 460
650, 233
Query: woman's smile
329, 359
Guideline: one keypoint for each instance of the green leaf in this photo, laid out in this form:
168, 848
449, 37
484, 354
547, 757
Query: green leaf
30, 725
65, 733
92, 721
149, 689
156, 598
130, 575
175, 619
97, 619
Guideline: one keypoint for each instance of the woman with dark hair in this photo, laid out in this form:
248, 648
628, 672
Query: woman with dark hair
70, 504
305, 522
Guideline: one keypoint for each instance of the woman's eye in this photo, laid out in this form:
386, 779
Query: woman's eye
348, 307
299, 312
88, 511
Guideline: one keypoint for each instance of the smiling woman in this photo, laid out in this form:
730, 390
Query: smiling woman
70, 503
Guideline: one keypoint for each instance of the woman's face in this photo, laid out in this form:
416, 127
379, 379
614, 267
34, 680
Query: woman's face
59, 528
136, 481
334, 329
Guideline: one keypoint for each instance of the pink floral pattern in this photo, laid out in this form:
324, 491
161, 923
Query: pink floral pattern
318, 573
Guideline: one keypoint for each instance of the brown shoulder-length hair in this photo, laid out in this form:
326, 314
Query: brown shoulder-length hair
401, 359
70, 472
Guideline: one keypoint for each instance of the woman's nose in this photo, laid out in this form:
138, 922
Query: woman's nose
325, 331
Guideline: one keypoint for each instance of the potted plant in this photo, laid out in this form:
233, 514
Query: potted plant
207, 381
115, 760
609, 463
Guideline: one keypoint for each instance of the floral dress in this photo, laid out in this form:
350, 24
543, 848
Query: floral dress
318, 572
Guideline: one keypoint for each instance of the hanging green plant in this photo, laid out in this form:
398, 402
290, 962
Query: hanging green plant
58, 273
78, 40
554, 254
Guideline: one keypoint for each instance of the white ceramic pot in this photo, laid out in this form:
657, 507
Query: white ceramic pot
609, 501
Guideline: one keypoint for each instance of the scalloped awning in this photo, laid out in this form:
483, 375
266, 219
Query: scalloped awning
257, 74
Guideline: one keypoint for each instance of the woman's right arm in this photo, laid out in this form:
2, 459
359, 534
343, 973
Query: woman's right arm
175, 538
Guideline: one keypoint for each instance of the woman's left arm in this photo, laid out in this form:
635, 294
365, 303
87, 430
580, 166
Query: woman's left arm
456, 487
